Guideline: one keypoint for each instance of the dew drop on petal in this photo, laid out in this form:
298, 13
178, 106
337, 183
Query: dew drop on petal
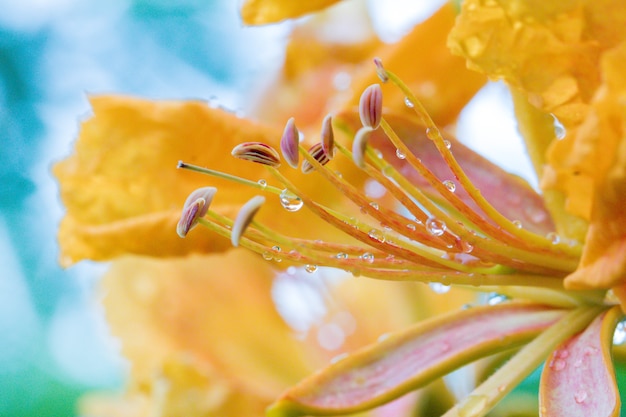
400, 154
447, 143
290, 201
580, 396
438, 287
262, 183
408, 103
619, 336
553, 237
368, 257
341, 255
435, 226
450, 185
377, 235
310, 268
517, 224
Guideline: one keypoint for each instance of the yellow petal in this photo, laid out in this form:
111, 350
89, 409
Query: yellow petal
439, 79
122, 190
599, 156
548, 49
259, 12
216, 311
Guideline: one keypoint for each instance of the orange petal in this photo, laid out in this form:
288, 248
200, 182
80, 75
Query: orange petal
579, 379
260, 12
411, 358
599, 158
122, 190
439, 79
217, 311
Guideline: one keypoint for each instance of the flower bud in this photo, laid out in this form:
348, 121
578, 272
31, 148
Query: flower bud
195, 207
371, 106
289, 143
318, 153
257, 152
244, 218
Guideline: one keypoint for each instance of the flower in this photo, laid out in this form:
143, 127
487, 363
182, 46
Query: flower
203, 324
446, 216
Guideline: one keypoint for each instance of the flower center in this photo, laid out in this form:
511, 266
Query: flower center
434, 238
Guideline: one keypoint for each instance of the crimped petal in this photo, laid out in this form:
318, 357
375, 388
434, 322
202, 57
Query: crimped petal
414, 357
579, 379
548, 49
598, 159
508, 193
260, 12
122, 190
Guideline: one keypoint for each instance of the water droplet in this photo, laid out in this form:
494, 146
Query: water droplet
410, 226
553, 237
619, 336
377, 235
495, 298
368, 257
374, 205
430, 133
435, 226
267, 256
310, 268
262, 183
290, 201
474, 405
517, 224
447, 143
400, 154
450, 185
341, 255
580, 397
465, 246
339, 174
408, 103
276, 248
438, 287
557, 364
559, 129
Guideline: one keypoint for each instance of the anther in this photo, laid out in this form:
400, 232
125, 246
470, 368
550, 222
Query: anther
318, 153
244, 218
328, 137
289, 143
195, 207
380, 70
257, 152
359, 145
371, 106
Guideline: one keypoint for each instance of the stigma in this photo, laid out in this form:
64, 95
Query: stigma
429, 235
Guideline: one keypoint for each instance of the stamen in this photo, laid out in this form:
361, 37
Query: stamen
196, 206
328, 137
289, 143
257, 152
244, 217
371, 106
359, 145
318, 153
380, 70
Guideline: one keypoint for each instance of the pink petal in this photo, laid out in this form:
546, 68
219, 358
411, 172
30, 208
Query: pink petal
412, 358
578, 379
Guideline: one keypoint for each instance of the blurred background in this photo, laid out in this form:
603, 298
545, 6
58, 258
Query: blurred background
53, 54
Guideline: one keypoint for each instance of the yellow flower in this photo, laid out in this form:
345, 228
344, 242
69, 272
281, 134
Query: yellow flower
197, 323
